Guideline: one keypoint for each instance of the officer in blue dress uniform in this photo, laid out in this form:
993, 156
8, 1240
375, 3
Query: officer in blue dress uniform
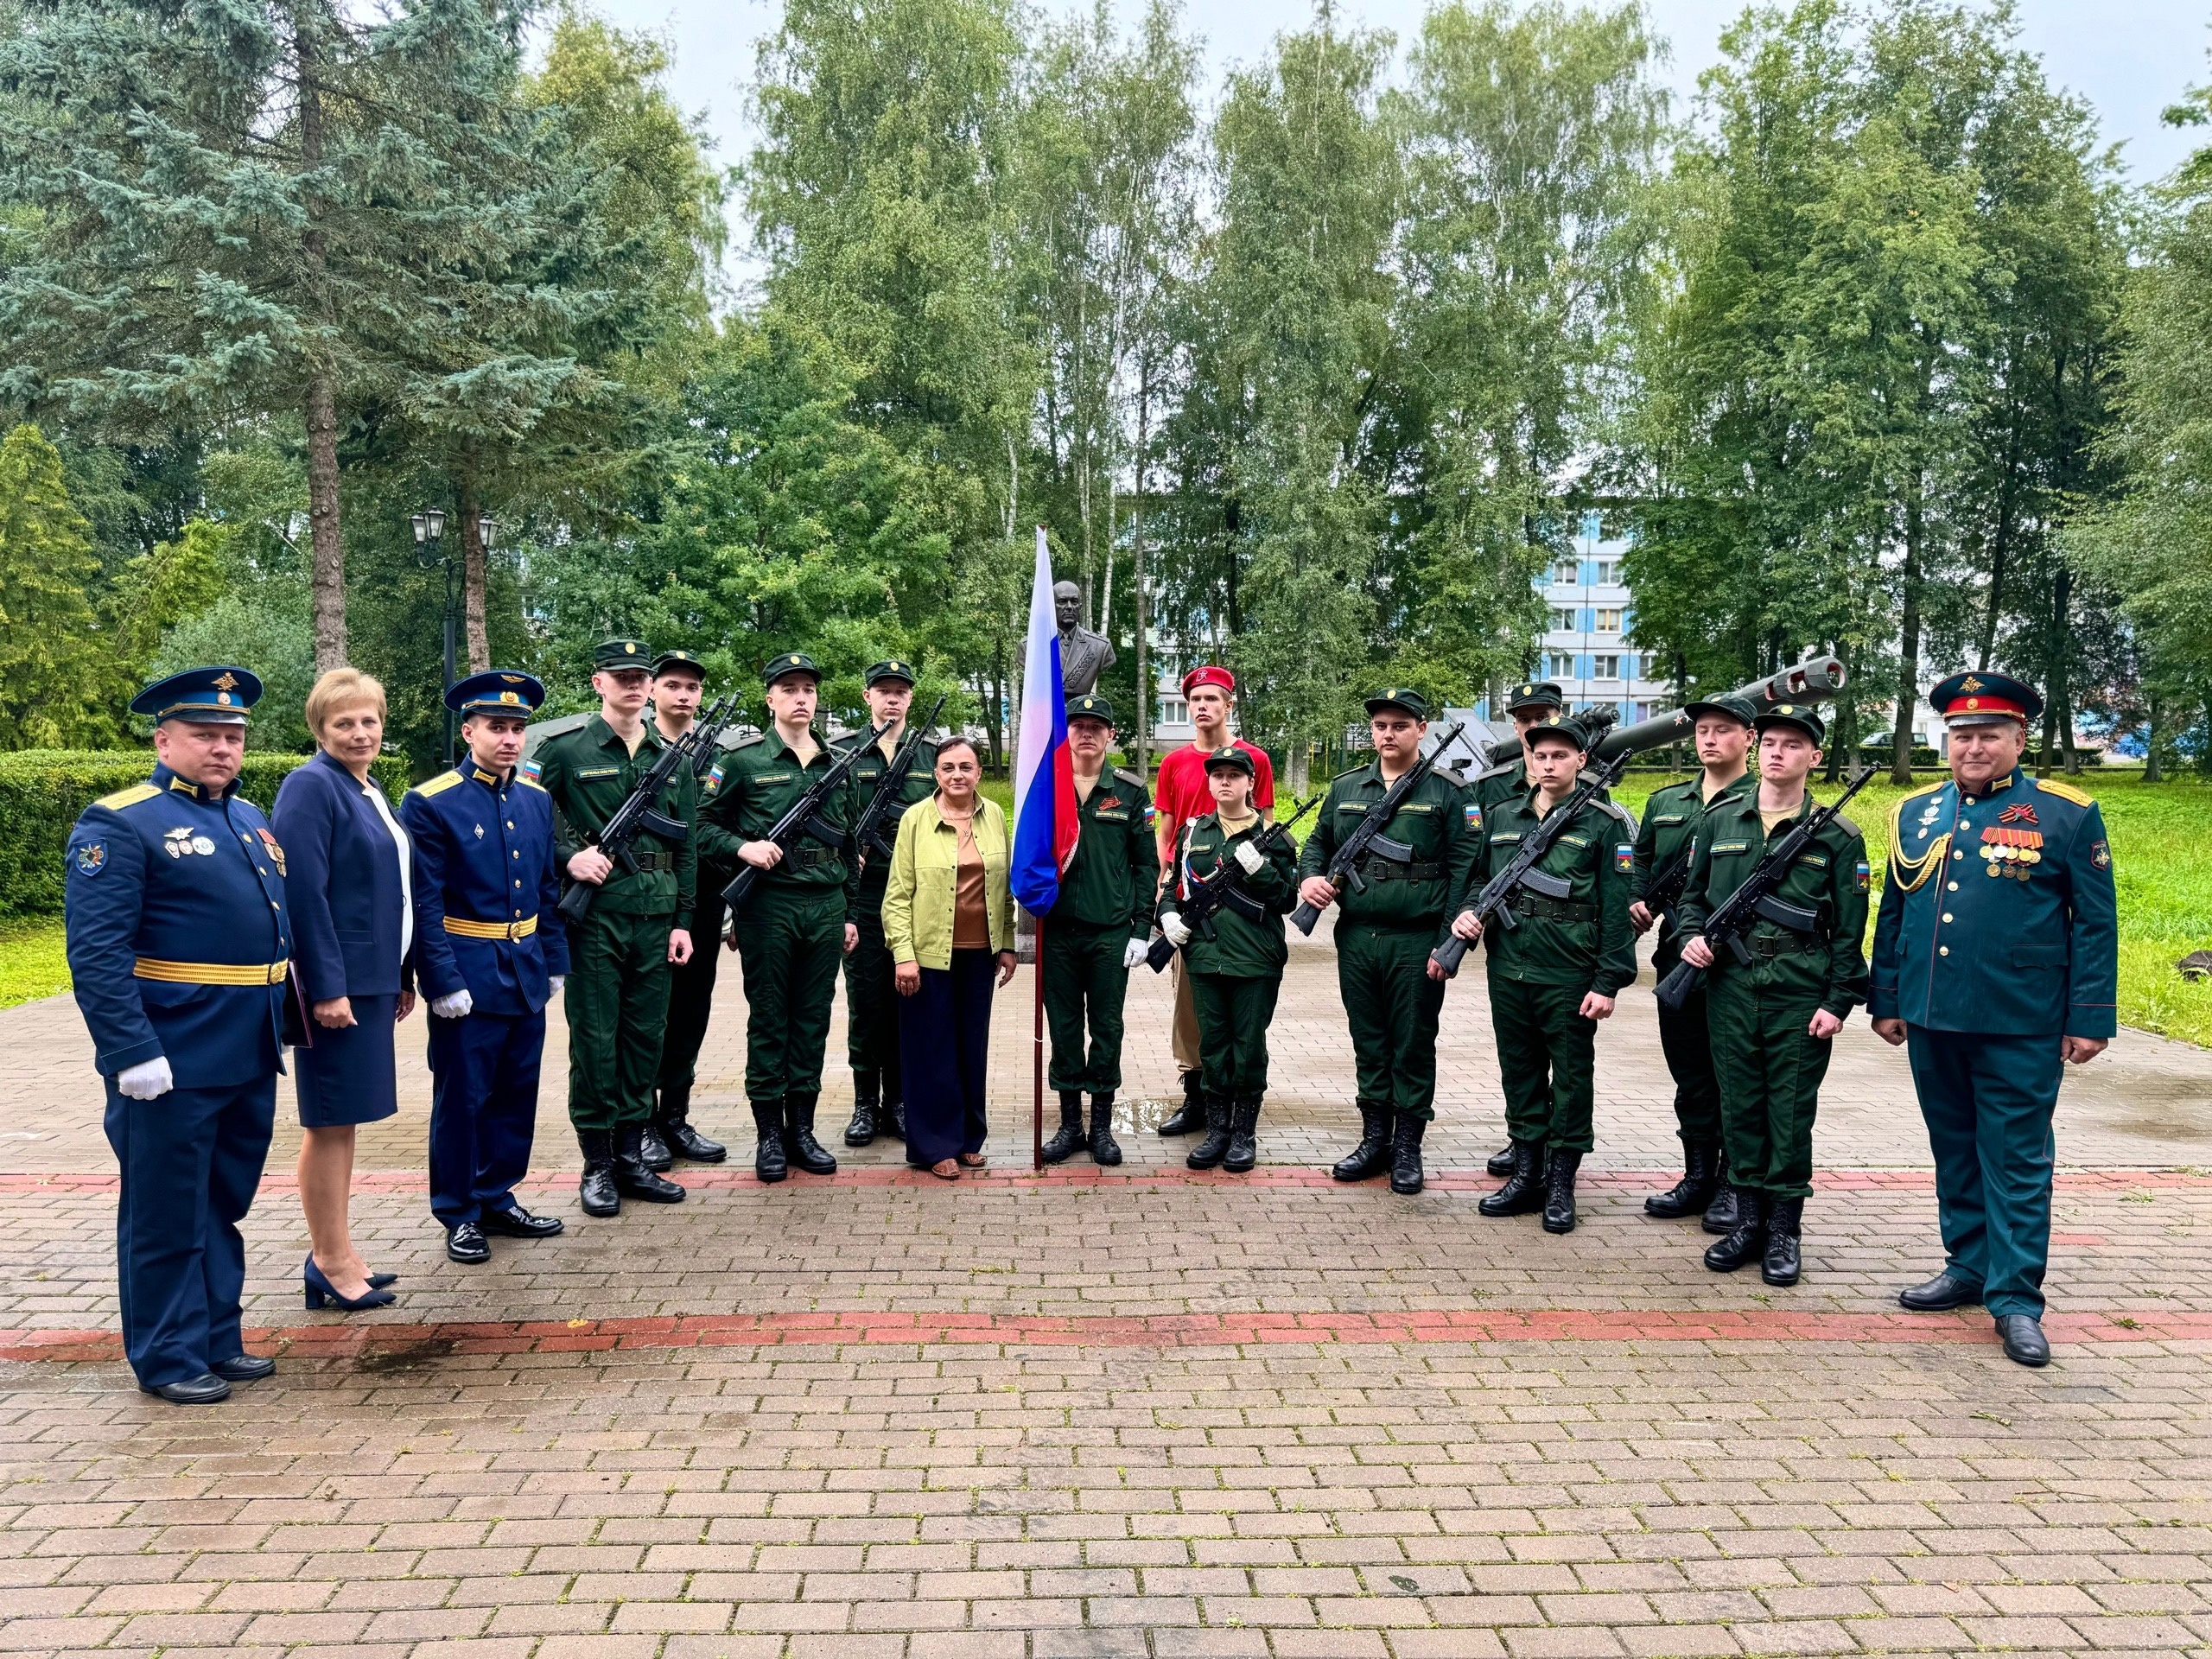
1996, 962
490, 952
179, 941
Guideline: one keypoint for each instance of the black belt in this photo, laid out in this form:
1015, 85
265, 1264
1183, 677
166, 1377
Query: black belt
1770, 945
813, 856
1381, 869
653, 861
1526, 904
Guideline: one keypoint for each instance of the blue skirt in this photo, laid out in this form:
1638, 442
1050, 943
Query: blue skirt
349, 1076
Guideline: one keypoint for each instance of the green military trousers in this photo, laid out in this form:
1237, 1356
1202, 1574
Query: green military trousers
1392, 1006
790, 940
1770, 1069
691, 1001
617, 1008
1547, 1061
1084, 988
1234, 1014
1685, 1041
872, 1005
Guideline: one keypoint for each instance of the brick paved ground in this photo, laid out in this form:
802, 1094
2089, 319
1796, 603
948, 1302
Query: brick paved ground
1137, 1413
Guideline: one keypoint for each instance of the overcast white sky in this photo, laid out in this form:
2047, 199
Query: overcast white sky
2129, 58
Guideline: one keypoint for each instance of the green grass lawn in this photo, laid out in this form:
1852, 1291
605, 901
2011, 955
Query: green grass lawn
32, 961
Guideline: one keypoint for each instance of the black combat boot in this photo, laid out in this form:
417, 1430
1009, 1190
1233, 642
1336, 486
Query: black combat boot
1559, 1191
1244, 1145
597, 1191
631, 1174
1191, 1117
769, 1163
1212, 1150
1501, 1161
809, 1154
672, 1123
1746, 1241
1784, 1227
867, 1098
1523, 1190
1720, 1215
1372, 1155
1406, 1132
1070, 1134
1104, 1148
892, 1120
652, 1150
1701, 1178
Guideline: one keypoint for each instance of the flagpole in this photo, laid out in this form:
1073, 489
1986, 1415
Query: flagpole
1037, 1092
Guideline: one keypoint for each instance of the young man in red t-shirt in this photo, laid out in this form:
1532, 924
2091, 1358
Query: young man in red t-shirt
1181, 794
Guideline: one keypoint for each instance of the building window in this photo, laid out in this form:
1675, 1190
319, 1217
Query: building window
1568, 572
1609, 621
1173, 711
1563, 618
1608, 570
1606, 666
1562, 666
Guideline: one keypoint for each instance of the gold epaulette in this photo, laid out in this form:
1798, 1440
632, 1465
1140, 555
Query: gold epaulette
2064, 791
530, 783
437, 786
130, 796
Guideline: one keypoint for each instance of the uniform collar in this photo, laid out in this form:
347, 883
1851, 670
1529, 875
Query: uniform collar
169, 781
774, 738
1997, 787
604, 735
491, 780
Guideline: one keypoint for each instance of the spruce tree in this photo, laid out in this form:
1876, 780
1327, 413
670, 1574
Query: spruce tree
53, 669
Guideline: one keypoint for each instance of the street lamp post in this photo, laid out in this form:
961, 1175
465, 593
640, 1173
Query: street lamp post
429, 549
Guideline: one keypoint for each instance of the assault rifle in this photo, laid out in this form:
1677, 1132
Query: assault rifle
1665, 890
710, 730
872, 833
636, 816
1732, 918
1494, 904
1344, 868
804, 817
1225, 886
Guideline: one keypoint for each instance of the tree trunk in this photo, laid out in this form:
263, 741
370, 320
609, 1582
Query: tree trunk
1907, 640
327, 559
473, 578
2152, 772
2061, 706
2001, 545
1140, 733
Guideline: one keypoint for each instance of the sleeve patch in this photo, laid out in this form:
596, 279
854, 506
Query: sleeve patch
533, 770
1474, 811
1864, 875
2100, 854
91, 858
1624, 860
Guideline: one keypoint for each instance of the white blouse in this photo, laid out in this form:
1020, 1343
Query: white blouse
406, 861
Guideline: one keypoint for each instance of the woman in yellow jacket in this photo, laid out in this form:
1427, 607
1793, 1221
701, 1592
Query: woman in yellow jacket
948, 917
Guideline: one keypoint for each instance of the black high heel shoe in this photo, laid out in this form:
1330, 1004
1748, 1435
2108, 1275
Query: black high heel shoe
319, 1291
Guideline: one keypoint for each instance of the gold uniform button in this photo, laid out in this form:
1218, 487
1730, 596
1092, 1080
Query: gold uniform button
1946, 915
1954, 887
517, 884
1942, 950
1956, 855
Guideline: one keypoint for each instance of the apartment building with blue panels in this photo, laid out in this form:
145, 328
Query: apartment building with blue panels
1585, 647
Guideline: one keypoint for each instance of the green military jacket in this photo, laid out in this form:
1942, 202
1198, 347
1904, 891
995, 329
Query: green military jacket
761, 780
1241, 948
871, 870
590, 773
1584, 938
1830, 878
1670, 821
1434, 821
1112, 879
1499, 782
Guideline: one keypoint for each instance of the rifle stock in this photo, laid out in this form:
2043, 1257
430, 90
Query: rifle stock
800, 818
636, 815
1344, 866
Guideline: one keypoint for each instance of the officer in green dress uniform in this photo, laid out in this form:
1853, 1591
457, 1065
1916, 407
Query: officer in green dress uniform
1996, 962
1095, 933
679, 682
639, 924
1774, 1019
1722, 731
1236, 974
1392, 993
799, 923
871, 1003
1555, 975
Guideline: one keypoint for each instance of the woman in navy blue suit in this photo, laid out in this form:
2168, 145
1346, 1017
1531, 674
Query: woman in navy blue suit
350, 885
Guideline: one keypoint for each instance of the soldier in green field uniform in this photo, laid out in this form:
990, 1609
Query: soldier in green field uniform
1722, 731
679, 682
639, 924
1997, 964
871, 1004
1236, 974
797, 924
1774, 1019
1392, 993
1555, 975
1096, 932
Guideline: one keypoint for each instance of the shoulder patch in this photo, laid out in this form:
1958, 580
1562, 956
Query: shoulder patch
1842, 822
1126, 776
530, 783
1518, 763
1348, 771
1457, 779
130, 796
1611, 805
748, 742
2064, 791
439, 785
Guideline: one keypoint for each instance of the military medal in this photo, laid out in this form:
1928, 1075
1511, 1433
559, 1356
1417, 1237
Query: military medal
2011, 850
178, 842
203, 845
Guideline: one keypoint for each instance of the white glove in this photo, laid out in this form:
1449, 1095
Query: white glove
1135, 952
1251, 858
1172, 925
148, 1080
554, 982
454, 1006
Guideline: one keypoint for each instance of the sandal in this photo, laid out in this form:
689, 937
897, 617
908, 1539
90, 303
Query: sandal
974, 1160
945, 1170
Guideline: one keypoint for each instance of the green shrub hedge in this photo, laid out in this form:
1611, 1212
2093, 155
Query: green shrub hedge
43, 791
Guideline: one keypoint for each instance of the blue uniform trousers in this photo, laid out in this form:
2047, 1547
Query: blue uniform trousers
1988, 1101
191, 1160
483, 1110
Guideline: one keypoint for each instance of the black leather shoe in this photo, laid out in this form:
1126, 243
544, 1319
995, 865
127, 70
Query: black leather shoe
1784, 1260
244, 1367
1523, 1190
1501, 1161
1745, 1241
1559, 1191
1243, 1142
465, 1244
1945, 1290
799, 1144
652, 1151
866, 1100
2025, 1342
769, 1163
632, 1175
1105, 1150
1372, 1155
204, 1389
1070, 1134
596, 1191
1214, 1148
893, 1122
1190, 1116
1690, 1195
1721, 1215
1406, 1131
687, 1143
517, 1223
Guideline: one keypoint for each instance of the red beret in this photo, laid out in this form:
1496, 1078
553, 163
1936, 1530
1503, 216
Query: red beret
1208, 675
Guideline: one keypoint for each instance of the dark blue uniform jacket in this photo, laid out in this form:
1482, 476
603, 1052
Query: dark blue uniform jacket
343, 879
484, 856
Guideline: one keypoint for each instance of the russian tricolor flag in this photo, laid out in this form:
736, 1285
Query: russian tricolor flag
1045, 823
